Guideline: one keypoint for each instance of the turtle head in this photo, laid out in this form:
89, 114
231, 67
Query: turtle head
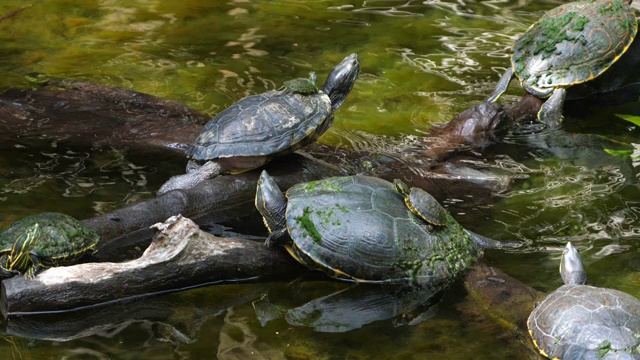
401, 187
18, 258
271, 203
571, 268
341, 79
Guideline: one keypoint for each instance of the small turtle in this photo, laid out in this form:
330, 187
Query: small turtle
579, 321
570, 44
422, 204
41, 241
359, 228
258, 128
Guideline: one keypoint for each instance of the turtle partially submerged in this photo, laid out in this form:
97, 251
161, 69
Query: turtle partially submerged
570, 44
579, 321
258, 128
359, 228
41, 241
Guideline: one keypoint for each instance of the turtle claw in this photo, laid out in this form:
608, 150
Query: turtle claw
551, 111
276, 238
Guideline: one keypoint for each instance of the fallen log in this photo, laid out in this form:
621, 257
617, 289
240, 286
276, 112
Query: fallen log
180, 256
214, 201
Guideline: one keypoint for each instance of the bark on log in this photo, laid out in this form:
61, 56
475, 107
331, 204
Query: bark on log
180, 256
214, 201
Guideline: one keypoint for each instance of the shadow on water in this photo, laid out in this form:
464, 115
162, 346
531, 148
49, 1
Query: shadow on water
422, 63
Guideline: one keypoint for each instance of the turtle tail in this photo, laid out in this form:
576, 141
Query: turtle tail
487, 243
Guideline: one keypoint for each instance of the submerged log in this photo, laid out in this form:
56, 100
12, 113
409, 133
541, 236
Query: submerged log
180, 256
79, 113
83, 114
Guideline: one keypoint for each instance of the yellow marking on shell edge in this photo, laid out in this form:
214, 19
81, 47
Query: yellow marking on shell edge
335, 271
293, 255
417, 212
535, 344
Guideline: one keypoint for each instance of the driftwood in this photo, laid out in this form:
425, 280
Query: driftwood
214, 201
180, 256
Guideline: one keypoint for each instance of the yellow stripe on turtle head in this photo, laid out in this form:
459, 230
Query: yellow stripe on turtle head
20, 255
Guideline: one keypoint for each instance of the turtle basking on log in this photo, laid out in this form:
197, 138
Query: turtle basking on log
258, 128
44, 240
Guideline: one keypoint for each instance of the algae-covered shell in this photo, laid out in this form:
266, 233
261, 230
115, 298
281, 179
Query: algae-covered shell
573, 43
359, 228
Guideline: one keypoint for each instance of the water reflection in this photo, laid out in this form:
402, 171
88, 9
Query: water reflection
570, 189
348, 308
60, 175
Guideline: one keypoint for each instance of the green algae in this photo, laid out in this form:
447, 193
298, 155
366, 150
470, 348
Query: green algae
307, 224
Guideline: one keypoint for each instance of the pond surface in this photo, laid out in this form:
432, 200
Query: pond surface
422, 63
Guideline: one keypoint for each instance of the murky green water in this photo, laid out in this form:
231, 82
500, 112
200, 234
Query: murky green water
422, 63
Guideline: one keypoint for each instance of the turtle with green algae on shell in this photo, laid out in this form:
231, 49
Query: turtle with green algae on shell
570, 44
579, 321
44, 240
359, 228
258, 128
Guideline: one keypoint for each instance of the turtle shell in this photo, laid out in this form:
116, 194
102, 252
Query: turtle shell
359, 228
272, 123
63, 239
586, 322
426, 206
573, 43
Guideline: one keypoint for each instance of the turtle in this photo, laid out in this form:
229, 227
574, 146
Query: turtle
422, 204
44, 240
358, 228
258, 128
571, 44
579, 321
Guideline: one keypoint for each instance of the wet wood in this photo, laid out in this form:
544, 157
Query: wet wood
503, 298
214, 201
180, 256
83, 114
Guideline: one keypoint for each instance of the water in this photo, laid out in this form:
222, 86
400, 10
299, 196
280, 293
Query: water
422, 63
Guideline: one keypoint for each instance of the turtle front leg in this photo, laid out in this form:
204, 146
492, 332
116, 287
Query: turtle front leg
502, 85
34, 268
278, 237
551, 111
192, 166
5, 271
186, 181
